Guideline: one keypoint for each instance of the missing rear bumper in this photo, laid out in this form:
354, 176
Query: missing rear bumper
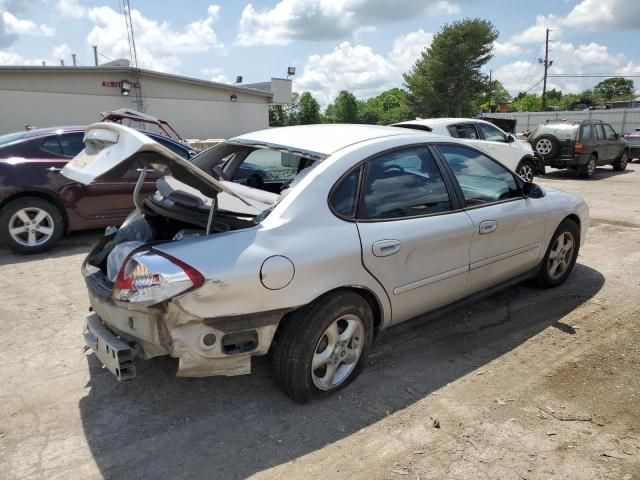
116, 355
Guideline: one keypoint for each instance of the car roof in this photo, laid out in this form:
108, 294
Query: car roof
318, 140
39, 132
430, 122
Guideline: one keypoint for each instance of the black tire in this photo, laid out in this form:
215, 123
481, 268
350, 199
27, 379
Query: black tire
548, 154
526, 170
299, 337
621, 162
54, 221
588, 169
545, 279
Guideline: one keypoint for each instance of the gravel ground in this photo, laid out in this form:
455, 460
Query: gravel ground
527, 384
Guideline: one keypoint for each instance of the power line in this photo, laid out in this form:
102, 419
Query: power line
534, 85
596, 75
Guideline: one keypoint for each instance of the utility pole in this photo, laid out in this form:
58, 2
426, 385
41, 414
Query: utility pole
95, 55
547, 64
489, 91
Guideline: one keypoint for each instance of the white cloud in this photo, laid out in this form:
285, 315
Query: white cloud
10, 57
215, 75
359, 69
157, 44
537, 32
291, 20
70, 9
507, 49
16, 26
604, 14
407, 48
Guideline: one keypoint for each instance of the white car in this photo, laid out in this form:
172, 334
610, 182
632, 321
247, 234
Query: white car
515, 154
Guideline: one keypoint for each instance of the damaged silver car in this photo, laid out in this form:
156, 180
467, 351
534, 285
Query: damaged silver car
307, 241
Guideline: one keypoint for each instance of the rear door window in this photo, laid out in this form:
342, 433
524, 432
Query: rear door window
52, 145
600, 135
585, 132
344, 198
464, 130
71, 143
404, 183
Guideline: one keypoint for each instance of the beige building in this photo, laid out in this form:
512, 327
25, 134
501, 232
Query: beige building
56, 96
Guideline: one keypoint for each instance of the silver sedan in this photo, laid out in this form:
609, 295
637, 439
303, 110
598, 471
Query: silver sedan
307, 241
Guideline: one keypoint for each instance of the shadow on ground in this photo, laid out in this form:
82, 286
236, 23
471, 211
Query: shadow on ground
72, 244
159, 426
601, 173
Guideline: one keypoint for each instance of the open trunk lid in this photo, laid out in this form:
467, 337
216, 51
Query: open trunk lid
112, 149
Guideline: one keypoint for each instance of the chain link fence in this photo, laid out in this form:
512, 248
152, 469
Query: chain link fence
623, 120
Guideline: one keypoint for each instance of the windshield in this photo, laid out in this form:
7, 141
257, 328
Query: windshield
12, 137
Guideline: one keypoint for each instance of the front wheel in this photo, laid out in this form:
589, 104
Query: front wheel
561, 255
621, 163
30, 225
322, 347
526, 170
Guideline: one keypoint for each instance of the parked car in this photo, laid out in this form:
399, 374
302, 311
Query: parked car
581, 146
373, 226
512, 153
38, 205
634, 144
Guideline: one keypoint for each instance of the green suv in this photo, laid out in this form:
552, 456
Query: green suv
581, 146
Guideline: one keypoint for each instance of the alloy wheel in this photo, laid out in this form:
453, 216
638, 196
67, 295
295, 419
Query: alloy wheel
561, 255
526, 172
591, 166
31, 226
337, 352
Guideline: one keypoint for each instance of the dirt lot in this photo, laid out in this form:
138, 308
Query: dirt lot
527, 384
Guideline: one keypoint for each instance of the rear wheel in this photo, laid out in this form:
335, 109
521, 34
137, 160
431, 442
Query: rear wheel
322, 347
621, 163
526, 170
588, 169
30, 225
561, 255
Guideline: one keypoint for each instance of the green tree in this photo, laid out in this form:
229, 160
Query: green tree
309, 110
526, 102
345, 108
498, 94
446, 78
613, 87
277, 116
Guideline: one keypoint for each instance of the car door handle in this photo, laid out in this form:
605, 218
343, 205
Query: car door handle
384, 248
488, 226
54, 169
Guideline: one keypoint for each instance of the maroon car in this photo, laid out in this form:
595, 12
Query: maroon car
38, 205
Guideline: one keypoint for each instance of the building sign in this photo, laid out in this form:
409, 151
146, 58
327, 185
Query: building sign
115, 84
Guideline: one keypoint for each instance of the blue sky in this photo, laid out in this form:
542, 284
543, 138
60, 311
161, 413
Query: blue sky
360, 45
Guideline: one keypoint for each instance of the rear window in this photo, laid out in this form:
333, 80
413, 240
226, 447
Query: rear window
561, 131
12, 137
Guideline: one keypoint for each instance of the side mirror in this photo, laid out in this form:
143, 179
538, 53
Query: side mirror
531, 190
617, 136
510, 138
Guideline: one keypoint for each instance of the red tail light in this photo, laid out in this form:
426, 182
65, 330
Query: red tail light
149, 277
578, 148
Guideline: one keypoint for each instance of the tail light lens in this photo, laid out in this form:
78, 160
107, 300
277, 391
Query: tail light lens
578, 147
149, 277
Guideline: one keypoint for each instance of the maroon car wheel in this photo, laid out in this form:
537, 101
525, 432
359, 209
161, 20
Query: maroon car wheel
30, 225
